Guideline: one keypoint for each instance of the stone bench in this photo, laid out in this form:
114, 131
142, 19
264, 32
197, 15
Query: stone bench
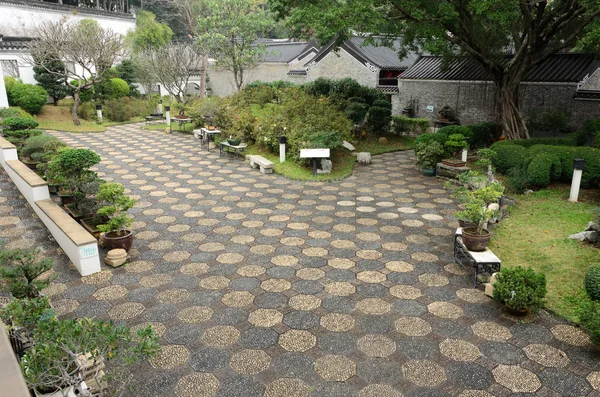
482, 263
266, 166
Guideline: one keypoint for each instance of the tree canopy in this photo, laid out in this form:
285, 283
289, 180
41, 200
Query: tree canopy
230, 31
506, 37
148, 33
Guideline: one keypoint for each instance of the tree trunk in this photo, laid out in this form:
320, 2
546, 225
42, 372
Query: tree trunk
76, 101
508, 112
239, 78
203, 76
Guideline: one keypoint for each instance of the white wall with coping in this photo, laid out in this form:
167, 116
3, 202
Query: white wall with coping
19, 18
80, 246
3, 97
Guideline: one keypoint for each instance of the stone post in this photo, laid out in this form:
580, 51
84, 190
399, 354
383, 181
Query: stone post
578, 167
282, 142
99, 112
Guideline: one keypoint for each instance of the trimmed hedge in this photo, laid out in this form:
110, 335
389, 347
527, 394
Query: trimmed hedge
508, 156
403, 123
543, 164
482, 135
592, 282
19, 123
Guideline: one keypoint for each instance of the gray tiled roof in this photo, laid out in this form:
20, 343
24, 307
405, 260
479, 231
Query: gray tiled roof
8, 43
278, 51
382, 57
563, 67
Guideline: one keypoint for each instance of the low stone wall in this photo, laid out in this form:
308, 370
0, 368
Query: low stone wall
80, 246
475, 100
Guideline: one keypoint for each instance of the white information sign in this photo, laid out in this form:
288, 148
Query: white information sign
88, 252
314, 153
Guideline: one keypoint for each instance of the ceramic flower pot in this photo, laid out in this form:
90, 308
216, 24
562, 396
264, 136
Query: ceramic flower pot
474, 241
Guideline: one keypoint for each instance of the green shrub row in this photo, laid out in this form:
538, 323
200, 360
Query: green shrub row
119, 110
542, 164
413, 125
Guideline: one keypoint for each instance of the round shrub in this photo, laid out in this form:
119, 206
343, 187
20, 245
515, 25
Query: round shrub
538, 171
590, 319
9, 83
382, 103
456, 129
508, 156
14, 112
356, 111
19, 123
379, 119
592, 282
520, 288
29, 97
119, 88
482, 135
431, 137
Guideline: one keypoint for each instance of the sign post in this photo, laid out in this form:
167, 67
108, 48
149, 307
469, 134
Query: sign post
314, 154
578, 167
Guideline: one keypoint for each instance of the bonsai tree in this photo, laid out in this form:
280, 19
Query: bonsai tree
20, 270
589, 318
71, 167
63, 350
41, 148
26, 312
455, 144
485, 158
477, 203
520, 289
116, 206
429, 154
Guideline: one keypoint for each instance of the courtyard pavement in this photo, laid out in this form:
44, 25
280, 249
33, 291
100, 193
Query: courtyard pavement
258, 285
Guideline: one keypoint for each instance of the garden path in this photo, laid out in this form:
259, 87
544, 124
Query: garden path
258, 285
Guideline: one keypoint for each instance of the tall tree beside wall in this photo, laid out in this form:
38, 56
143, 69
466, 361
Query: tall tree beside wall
148, 33
230, 32
53, 82
507, 37
86, 50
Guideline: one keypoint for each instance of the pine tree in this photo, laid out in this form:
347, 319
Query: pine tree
52, 83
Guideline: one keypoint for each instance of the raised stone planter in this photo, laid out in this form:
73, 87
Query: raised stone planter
80, 246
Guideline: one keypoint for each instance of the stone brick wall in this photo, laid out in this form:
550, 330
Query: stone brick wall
342, 64
222, 82
475, 101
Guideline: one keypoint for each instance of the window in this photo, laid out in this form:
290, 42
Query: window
10, 68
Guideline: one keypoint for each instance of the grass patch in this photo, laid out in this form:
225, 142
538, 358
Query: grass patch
59, 118
343, 162
393, 144
535, 235
188, 127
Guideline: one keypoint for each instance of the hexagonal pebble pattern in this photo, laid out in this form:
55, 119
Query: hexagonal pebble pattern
335, 368
272, 287
516, 379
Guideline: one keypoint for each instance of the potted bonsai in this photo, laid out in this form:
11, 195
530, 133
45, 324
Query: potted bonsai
71, 169
68, 353
521, 290
116, 204
589, 317
20, 270
428, 155
455, 144
478, 213
38, 152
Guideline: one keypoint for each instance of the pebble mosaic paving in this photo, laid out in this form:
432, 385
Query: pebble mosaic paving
262, 286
